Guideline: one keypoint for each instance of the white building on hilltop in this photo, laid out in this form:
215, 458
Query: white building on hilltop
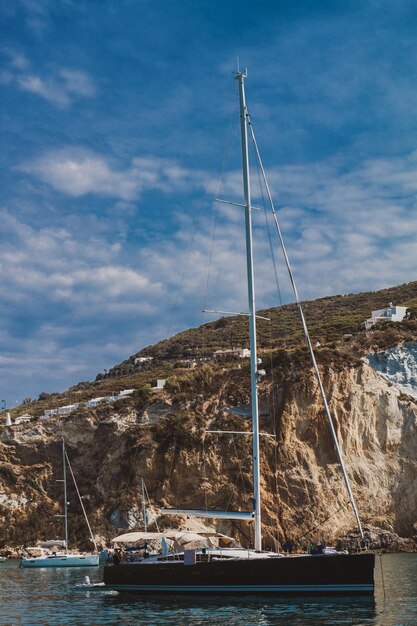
390, 314
125, 393
160, 384
91, 404
49, 413
23, 419
143, 359
241, 353
66, 410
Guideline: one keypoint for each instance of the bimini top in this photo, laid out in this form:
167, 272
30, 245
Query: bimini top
181, 538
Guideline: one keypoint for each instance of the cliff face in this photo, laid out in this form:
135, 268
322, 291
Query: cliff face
167, 444
399, 365
377, 428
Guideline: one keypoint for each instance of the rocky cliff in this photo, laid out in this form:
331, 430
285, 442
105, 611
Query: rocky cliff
162, 437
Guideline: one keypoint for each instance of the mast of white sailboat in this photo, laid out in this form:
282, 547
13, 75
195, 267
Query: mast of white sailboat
65, 495
81, 502
240, 77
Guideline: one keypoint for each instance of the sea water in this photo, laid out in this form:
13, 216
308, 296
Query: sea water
49, 597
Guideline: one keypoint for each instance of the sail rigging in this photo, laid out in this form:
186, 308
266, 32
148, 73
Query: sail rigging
80, 499
305, 330
65, 558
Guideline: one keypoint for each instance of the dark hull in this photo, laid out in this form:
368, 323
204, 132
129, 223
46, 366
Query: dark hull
326, 574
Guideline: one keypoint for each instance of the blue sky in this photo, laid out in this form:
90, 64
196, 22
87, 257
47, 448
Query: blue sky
116, 116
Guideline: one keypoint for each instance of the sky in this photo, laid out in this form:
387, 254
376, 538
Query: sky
119, 126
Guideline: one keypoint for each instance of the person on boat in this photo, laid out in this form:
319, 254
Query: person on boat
318, 548
116, 556
288, 546
109, 559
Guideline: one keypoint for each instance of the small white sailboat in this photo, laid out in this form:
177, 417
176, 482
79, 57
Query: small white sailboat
54, 553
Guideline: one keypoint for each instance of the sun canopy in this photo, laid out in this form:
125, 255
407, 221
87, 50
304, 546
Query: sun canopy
205, 539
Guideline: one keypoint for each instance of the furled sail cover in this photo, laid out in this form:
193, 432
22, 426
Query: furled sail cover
137, 536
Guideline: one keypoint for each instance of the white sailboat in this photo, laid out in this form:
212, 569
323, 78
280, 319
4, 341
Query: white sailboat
54, 553
221, 570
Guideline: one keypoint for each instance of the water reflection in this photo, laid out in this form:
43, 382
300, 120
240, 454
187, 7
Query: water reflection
253, 610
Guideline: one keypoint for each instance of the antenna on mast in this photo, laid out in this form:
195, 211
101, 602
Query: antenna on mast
240, 72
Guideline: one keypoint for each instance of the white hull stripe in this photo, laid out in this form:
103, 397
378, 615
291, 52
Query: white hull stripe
364, 587
60, 562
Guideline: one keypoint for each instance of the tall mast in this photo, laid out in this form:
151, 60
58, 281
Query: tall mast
65, 496
240, 77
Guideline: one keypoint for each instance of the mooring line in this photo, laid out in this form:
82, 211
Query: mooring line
382, 576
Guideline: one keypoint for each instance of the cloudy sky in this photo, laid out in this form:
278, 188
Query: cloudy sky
119, 126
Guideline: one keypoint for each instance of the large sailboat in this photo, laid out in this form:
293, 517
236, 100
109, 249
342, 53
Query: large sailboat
200, 565
54, 553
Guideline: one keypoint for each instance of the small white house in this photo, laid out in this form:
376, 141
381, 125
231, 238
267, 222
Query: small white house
23, 419
160, 384
125, 393
143, 359
241, 353
390, 314
66, 410
95, 402
49, 413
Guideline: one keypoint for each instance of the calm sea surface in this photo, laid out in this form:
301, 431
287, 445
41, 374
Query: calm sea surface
47, 596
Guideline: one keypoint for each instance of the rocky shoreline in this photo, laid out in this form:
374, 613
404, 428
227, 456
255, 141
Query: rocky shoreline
379, 540
375, 540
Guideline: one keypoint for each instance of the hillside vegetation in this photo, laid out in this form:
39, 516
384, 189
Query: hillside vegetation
330, 320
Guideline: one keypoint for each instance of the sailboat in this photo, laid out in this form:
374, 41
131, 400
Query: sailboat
224, 570
54, 553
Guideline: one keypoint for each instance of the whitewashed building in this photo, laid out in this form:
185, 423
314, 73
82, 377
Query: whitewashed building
96, 401
139, 360
390, 314
49, 413
66, 410
125, 393
241, 353
160, 384
23, 419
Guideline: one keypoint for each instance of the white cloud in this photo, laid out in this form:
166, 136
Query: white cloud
17, 59
61, 88
58, 85
77, 172
49, 90
77, 82
346, 230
